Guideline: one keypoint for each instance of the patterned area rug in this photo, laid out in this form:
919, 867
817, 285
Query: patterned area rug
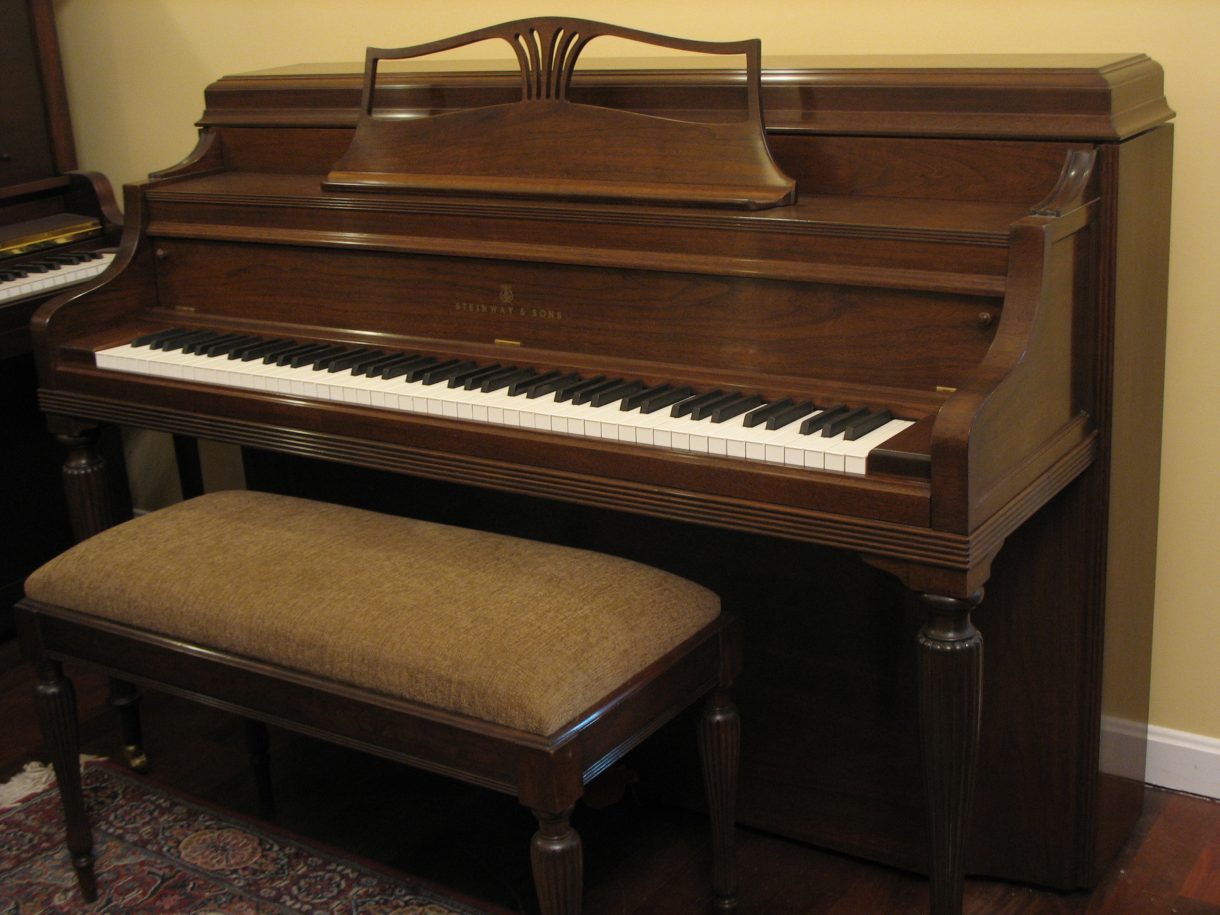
159, 853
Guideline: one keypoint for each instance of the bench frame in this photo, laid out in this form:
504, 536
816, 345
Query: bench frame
547, 774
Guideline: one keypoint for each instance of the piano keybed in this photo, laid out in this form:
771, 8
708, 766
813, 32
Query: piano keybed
717, 423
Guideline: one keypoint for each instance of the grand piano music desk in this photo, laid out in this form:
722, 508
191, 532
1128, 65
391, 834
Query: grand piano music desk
670, 291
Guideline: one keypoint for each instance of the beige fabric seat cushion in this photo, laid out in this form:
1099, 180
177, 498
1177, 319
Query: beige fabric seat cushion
512, 631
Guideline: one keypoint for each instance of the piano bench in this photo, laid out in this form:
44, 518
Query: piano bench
520, 666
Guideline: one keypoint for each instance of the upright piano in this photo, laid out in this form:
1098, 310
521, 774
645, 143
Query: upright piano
58, 227
853, 340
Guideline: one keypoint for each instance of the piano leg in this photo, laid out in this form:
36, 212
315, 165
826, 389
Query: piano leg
98, 499
94, 500
950, 670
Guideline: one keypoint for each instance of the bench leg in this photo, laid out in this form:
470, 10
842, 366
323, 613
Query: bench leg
258, 745
719, 751
558, 864
55, 700
124, 698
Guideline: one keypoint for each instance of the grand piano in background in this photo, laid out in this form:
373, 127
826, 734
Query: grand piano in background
976, 245
56, 226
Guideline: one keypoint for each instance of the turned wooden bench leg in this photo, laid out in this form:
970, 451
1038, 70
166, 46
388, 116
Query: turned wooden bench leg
719, 752
558, 864
258, 745
124, 699
56, 703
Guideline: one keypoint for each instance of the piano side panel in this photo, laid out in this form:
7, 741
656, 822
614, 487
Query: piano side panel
1138, 173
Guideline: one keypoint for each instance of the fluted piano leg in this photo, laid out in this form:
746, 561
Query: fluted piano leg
719, 751
950, 695
56, 703
558, 864
95, 501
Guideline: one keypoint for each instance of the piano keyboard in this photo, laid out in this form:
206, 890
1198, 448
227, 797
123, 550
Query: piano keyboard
50, 271
725, 424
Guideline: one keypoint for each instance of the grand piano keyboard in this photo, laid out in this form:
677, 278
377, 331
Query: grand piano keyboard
50, 271
676, 418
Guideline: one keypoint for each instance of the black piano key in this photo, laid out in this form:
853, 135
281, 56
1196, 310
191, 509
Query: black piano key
311, 357
841, 422
285, 356
616, 392
814, 423
224, 347
169, 341
201, 347
789, 415
522, 386
544, 385
363, 364
736, 408
260, 350
866, 424
474, 377
662, 399
704, 410
149, 339
690, 405
322, 359
198, 346
763, 413
633, 401
180, 343
505, 379
373, 363
586, 394
444, 370
413, 374
399, 366
572, 390
69, 258
353, 358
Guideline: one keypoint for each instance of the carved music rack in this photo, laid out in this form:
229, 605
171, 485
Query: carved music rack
548, 146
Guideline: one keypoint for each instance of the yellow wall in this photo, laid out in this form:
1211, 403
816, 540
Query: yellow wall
136, 70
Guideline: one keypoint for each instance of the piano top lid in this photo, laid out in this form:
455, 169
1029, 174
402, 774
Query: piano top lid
545, 144
1074, 97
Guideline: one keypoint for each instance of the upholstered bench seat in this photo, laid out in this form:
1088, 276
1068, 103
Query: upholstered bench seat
523, 666
519, 633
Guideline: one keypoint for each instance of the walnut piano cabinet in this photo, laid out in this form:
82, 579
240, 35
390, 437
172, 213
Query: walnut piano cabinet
977, 244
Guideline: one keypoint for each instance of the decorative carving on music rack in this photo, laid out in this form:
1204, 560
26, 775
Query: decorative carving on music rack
547, 146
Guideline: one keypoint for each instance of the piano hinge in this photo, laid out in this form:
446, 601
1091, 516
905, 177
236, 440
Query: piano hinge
500, 342
945, 389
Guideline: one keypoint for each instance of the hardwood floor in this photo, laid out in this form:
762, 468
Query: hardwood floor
641, 859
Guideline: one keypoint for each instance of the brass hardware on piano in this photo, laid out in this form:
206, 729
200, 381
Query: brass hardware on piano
945, 250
